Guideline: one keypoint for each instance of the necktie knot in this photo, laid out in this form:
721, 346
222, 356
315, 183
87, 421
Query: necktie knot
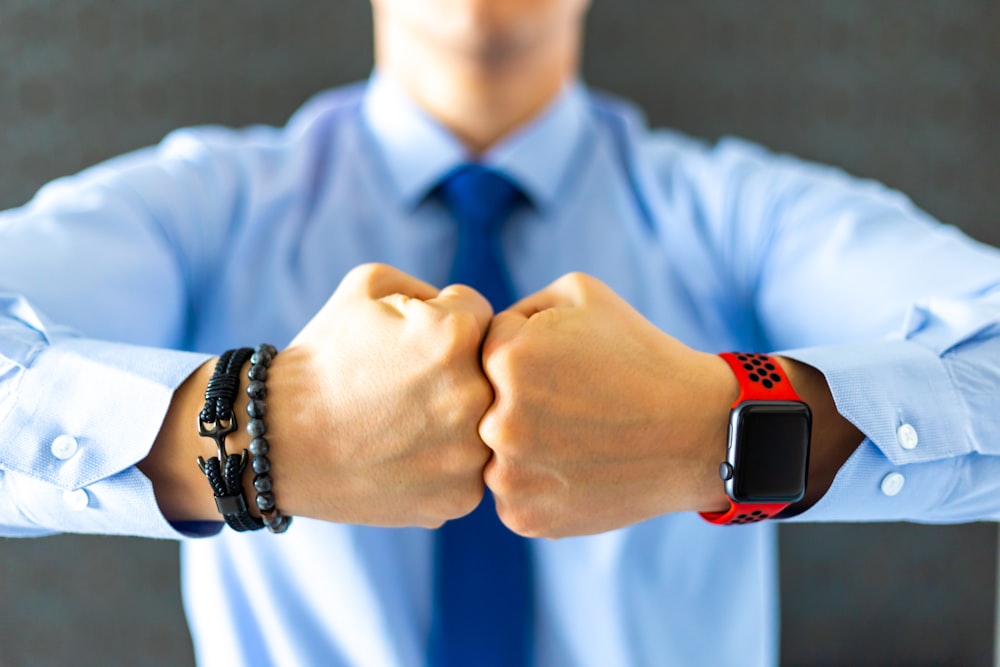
480, 198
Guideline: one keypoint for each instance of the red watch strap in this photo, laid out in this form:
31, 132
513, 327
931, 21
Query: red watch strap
738, 515
761, 378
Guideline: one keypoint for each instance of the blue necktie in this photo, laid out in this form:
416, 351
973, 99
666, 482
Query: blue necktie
483, 606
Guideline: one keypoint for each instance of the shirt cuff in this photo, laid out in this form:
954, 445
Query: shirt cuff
84, 413
869, 487
898, 393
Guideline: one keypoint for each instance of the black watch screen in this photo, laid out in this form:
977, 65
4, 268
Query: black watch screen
768, 451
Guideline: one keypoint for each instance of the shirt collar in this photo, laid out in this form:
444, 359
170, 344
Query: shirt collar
418, 151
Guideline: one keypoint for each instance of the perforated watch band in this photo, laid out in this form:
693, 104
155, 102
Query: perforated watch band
761, 378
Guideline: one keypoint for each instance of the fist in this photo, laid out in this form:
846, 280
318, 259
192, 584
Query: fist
599, 419
380, 396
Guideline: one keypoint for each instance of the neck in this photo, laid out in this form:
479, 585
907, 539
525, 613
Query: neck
480, 92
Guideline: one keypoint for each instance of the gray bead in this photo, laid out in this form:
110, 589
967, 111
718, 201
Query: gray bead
256, 408
259, 447
261, 465
256, 428
257, 390
263, 484
265, 501
257, 372
278, 524
261, 357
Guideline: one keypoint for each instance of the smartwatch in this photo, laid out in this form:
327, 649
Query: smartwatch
767, 453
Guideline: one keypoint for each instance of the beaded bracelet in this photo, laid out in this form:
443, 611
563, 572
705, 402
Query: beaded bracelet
260, 361
216, 421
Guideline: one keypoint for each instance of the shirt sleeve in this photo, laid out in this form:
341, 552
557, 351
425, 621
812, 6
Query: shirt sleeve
97, 281
900, 313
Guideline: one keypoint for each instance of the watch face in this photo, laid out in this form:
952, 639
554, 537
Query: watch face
769, 451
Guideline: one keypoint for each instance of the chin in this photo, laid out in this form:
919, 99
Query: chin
489, 30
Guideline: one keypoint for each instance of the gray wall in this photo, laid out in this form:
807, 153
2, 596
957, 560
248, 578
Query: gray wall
905, 91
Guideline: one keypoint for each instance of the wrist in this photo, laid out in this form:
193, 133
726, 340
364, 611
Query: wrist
765, 468
170, 465
257, 370
721, 391
834, 438
287, 424
240, 451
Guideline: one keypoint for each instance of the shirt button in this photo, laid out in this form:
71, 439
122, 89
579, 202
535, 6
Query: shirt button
906, 436
64, 446
892, 483
76, 500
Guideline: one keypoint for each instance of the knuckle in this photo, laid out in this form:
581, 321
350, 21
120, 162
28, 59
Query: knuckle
490, 429
501, 478
456, 337
431, 524
396, 301
522, 519
498, 322
366, 273
478, 397
498, 428
446, 504
467, 417
463, 498
573, 279
501, 362
459, 408
493, 478
462, 329
470, 297
495, 353
522, 505
579, 283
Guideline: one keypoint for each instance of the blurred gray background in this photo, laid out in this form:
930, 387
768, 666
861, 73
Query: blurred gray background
904, 91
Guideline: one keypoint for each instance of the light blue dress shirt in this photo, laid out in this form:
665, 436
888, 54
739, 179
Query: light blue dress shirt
218, 238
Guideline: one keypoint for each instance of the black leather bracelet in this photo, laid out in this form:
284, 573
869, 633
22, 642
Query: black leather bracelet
275, 521
216, 421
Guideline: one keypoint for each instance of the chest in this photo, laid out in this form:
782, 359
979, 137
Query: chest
288, 259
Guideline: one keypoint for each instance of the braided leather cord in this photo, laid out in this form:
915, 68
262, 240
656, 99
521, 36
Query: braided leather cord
217, 414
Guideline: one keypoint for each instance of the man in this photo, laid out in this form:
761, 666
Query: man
594, 408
